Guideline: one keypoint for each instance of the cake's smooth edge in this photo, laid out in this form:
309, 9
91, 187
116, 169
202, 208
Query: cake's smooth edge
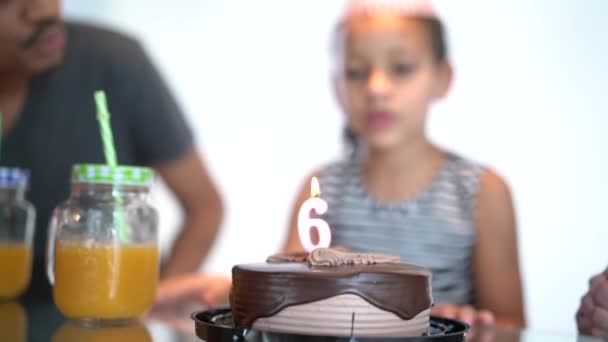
281, 308
332, 317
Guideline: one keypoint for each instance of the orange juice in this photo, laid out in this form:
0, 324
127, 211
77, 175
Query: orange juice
102, 282
70, 332
13, 322
15, 269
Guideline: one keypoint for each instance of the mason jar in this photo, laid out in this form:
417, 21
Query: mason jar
17, 220
102, 252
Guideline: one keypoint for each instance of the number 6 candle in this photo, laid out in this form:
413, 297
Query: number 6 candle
306, 223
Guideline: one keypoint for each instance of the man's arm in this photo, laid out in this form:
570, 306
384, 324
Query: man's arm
189, 180
162, 139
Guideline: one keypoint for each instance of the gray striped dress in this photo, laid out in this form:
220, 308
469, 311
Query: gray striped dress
436, 229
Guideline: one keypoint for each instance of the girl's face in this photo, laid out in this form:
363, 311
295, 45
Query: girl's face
387, 79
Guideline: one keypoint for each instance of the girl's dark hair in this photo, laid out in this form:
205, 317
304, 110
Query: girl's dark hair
439, 46
438, 39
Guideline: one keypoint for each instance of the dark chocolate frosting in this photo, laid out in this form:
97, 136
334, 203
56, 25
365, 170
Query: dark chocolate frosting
262, 290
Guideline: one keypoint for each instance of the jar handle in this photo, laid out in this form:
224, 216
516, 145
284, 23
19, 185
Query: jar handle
30, 225
50, 247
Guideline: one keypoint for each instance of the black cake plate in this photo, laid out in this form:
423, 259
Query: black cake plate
216, 326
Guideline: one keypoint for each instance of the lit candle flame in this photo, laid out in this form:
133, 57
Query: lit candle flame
315, 189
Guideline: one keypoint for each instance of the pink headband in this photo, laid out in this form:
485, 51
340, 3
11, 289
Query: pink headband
414, 8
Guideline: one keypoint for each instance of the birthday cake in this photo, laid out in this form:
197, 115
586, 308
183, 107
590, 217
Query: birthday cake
332, 293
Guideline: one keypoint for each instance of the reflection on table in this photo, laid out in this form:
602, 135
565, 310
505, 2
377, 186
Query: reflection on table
44, 323
13, 322
72, 332
514, 335
172, 324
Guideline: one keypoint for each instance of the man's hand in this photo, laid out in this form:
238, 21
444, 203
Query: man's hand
592, 315
465, 313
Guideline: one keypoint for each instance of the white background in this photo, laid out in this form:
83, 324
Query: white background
529, 100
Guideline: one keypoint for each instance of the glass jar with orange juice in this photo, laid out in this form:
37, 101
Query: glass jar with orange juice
17, 219
102, 253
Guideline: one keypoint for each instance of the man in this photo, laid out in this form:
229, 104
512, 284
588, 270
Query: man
49, 71
592, 316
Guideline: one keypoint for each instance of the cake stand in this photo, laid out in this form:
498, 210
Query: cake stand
216, 326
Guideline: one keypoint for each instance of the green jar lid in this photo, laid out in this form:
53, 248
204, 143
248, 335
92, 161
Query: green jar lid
118, 175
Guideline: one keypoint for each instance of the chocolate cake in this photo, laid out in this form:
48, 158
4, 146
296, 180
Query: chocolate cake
332, 293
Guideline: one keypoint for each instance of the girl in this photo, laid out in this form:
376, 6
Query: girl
398, 193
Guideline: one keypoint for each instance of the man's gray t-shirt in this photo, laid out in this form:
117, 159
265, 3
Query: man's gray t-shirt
58, 128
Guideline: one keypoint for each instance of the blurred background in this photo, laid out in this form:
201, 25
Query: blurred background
529, 101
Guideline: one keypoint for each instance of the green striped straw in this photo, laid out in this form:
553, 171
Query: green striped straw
103, 116
107, 138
